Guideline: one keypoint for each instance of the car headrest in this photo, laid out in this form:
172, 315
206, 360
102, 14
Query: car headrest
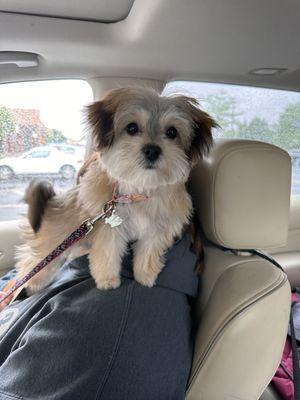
241, 194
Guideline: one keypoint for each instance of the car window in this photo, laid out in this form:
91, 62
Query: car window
67, 150
252, 113
41, 135
39, 154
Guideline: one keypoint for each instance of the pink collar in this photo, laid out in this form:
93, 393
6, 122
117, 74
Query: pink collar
126, 198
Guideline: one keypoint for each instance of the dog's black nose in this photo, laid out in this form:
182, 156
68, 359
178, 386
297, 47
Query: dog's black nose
152, 152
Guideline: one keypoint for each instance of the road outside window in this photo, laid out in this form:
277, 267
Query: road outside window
252, 113
41, 135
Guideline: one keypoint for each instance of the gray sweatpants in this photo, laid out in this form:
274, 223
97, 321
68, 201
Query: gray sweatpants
72, 341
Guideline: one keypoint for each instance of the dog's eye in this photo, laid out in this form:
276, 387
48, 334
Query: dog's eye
132, 128
171, 132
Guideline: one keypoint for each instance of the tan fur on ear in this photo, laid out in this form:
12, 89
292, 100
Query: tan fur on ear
100, 116
100, 120
203, 125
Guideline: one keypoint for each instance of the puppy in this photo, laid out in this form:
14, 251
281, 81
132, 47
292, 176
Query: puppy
146, 145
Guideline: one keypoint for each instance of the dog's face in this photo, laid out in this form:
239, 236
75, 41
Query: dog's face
147, 140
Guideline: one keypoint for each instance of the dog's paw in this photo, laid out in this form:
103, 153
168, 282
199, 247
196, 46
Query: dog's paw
109, 283
145, 279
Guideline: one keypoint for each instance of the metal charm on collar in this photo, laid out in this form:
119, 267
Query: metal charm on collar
114, 219
111, 218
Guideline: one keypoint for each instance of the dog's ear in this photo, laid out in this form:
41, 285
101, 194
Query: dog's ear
203, 124
100, 121
100, 116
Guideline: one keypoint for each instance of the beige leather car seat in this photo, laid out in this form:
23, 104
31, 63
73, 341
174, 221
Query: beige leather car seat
242, 197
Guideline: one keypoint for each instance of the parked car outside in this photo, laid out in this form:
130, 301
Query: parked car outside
42, 160
69, 148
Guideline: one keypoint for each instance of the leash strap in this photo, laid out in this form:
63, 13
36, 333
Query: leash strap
83, 230
74, 237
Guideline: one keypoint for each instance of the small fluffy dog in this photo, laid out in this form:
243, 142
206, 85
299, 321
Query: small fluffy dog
146, 145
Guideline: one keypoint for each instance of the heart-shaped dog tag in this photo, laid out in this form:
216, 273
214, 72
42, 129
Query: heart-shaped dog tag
114, 220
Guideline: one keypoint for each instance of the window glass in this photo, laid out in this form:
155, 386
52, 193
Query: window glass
41, 135
254, 113
39, 154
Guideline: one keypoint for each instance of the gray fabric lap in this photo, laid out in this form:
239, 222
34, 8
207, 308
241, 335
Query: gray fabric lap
73, 341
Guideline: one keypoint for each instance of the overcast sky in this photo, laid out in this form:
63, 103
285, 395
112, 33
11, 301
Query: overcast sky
60, 102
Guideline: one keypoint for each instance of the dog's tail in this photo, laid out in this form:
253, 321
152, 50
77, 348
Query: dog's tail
37, 196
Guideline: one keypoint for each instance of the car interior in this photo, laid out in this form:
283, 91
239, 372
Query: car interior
242, 192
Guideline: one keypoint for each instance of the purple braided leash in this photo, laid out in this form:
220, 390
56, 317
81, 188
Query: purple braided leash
83, 230
75, 236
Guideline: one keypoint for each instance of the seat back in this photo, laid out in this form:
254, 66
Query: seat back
241, 195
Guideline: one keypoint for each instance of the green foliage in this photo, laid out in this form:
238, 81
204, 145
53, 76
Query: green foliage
7, 123
55, 136
287, 131
256, 129
222, 107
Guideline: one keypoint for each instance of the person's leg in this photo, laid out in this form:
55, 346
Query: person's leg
61, 347
155, 352
73, 341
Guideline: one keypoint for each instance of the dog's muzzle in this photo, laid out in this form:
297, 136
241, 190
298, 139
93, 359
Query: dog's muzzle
151, 152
